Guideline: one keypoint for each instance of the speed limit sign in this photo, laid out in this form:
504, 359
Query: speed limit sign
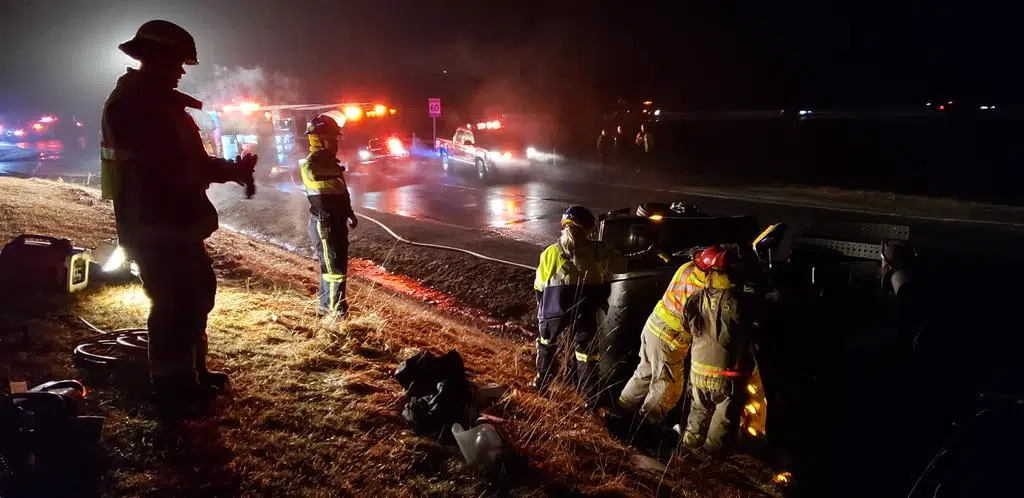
434, 107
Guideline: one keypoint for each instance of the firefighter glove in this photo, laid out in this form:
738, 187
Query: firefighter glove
244, 173
353, 221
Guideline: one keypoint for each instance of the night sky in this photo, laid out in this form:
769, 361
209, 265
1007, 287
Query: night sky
61, 55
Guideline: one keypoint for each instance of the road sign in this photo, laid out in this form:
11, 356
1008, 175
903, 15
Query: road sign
434, 107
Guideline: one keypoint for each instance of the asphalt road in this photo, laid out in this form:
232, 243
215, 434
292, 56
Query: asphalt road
528, 209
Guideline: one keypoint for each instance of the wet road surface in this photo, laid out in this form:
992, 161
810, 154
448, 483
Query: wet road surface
529, 209
526, 208
50, 158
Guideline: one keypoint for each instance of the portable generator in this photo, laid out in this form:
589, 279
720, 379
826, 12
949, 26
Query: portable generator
43, 262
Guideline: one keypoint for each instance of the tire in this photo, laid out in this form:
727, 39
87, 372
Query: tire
445, 166
482, 172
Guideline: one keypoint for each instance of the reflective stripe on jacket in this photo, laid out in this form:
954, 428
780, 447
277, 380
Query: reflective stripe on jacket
669, 310
567, 289
324, 180
154, 165
675, 339
721, 327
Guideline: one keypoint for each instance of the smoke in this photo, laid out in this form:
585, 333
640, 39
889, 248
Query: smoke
225, 85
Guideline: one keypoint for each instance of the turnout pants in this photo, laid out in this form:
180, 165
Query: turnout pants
178, 279
585, 352
330, 241
715, 412
658, 382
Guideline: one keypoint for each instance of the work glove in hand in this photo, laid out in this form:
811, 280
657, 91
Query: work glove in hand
353, 221
244, 174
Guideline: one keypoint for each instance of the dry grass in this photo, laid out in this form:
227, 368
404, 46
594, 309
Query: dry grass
314, 410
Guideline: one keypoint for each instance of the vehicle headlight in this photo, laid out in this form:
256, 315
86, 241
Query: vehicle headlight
530, 152
364, 154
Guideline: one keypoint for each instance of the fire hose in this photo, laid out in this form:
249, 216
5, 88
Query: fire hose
118, 349
444, 247
642, 253
127, 347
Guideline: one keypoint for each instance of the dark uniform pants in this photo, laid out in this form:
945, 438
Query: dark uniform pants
330, 241
715, 412
178, 279
586, 352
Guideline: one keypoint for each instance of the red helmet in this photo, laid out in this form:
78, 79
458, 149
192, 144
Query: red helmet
721, 257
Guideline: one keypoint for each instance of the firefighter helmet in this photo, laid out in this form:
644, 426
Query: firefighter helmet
579, 216
162, 38
722, 257
323, 125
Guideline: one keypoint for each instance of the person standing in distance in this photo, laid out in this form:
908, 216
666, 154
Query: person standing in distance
156, 171
331, 214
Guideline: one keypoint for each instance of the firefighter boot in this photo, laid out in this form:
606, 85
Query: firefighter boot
587, 383
219, 380
177, 397
540, 383
215, 379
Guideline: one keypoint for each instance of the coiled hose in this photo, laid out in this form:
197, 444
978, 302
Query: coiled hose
117, 349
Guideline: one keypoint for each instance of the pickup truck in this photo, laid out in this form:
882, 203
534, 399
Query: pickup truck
489, 155
388, 154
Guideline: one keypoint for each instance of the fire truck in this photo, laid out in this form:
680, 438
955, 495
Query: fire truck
277, 134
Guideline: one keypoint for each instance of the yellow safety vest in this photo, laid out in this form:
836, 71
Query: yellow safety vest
563, 285
332, 185
666, 322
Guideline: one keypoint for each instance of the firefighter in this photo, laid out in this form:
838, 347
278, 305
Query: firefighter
719, 319
571, 287
156, 170
331, 213
657, 384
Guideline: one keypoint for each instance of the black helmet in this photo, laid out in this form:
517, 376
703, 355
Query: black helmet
164, 38
323, 125
579, 216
